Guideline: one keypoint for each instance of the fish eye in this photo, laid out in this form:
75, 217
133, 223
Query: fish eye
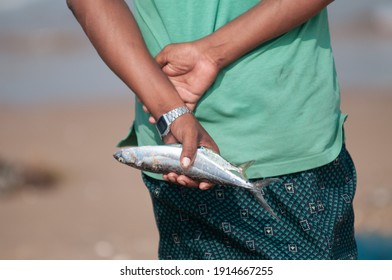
120, 159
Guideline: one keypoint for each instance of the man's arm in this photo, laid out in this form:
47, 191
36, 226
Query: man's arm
265, 21
192, 66
113, 31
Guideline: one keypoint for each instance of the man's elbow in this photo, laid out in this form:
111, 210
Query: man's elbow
78, 5
71, 4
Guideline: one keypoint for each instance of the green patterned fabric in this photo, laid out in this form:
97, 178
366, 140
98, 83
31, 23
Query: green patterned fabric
314, 207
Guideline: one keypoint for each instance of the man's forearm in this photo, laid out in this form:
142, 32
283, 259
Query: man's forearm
111, 28
267, 20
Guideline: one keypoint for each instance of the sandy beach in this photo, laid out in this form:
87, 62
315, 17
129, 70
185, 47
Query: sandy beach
368, 137
99, 209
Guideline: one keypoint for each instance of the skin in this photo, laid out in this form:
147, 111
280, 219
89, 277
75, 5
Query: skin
181, 73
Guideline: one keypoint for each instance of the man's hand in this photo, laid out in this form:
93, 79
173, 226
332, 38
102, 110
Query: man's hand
188, 131
189, 69
192, 73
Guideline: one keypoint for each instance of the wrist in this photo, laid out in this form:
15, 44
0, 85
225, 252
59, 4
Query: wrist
165, 121
215, 51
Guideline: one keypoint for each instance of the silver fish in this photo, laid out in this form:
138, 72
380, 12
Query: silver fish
207, 166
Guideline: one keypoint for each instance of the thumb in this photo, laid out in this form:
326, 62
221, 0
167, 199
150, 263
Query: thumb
161, 58
188, 154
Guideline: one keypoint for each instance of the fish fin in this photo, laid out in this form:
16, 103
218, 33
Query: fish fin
244, 166
265, 182
264, 203
256, 191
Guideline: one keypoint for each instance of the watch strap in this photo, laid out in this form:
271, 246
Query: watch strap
164, 122
172, 115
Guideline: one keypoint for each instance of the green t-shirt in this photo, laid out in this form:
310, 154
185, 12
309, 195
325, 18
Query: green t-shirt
278, 105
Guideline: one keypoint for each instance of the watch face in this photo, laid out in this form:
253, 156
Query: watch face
162, 126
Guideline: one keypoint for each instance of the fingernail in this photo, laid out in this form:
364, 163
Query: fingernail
186, 161
204, 186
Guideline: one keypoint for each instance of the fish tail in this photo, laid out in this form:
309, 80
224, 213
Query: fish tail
256, 191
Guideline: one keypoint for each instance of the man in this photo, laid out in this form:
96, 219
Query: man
260, 80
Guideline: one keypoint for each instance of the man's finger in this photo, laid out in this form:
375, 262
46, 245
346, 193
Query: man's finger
145, 109
152, 120
170, 139
161, 57
189, 148
187, 182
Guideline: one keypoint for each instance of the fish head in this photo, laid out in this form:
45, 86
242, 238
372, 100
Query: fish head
126, 156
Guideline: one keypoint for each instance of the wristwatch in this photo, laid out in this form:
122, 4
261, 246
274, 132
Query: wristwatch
164, 121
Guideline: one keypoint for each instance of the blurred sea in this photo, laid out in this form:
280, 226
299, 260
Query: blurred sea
44, 55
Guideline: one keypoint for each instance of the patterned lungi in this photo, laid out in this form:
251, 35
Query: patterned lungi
316, 218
